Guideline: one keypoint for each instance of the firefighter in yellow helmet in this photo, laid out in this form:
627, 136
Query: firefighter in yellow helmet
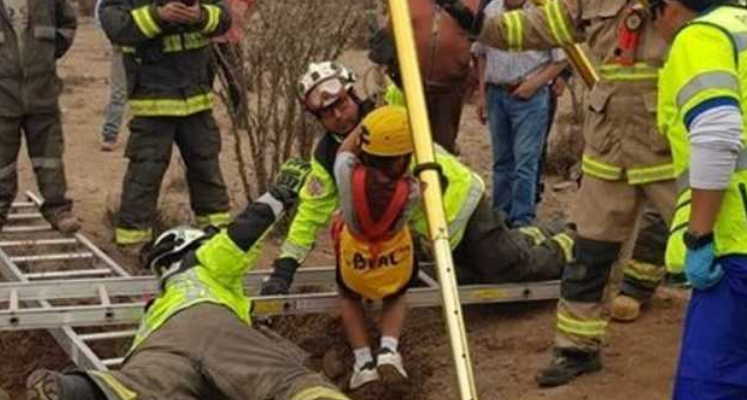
626, 163
373, 243
702, 103
196, 340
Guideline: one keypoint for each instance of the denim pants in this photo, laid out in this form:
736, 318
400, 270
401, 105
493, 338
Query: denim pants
117, 96
517, 134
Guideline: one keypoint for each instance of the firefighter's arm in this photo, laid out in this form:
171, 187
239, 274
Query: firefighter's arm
216, 18
556, 24
710, 107
318, 200
67, 23
229, 254
126, 25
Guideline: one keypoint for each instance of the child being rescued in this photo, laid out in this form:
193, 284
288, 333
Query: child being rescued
373, 245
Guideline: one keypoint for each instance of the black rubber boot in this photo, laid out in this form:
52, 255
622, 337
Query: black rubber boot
566, 366
50, 385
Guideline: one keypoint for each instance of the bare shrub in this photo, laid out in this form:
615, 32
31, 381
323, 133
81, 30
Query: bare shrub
282, 38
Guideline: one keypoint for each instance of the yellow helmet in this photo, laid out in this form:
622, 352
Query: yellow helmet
386, 132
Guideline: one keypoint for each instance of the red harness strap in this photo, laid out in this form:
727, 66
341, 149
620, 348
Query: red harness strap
371, 230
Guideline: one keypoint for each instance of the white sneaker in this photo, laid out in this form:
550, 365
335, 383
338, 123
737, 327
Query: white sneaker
390, 368
363, 376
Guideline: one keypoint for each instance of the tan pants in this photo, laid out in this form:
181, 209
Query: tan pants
606, 214
205, 352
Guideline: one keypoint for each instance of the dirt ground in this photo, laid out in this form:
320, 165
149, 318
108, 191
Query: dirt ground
508, 343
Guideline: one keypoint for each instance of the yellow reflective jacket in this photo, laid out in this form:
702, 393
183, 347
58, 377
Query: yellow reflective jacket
706, 67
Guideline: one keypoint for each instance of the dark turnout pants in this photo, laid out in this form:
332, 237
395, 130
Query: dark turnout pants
490, 252
205, 352
45, 145
149, 150
445, 104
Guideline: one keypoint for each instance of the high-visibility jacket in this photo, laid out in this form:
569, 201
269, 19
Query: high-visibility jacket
619, 130
214, 273
318, 197
706, 67
168, 66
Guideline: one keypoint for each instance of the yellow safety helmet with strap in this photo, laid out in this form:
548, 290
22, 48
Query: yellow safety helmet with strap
386, 132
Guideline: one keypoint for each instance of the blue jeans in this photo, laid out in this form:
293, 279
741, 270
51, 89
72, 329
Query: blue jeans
517, 133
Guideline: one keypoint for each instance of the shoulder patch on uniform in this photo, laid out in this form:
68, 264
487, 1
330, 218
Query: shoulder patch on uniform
314, 186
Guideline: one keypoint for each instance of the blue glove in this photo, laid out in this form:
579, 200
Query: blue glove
701, 269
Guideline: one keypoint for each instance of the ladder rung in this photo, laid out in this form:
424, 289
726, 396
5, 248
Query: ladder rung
26, 229
68, 274
91, 337
51, 257
38, 242
24, 216
113, 362
19, 204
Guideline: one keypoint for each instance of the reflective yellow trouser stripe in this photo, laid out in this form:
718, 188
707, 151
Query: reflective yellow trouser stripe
594, 328
600, 169
533, 232
566, 243
145, 22
171, 108
112, 383
132, 236
557, 23
213, 18
638, 176
645, 272
217, 220
636, 72
319, 392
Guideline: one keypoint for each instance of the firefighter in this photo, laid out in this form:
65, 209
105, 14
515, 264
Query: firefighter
485, 249
196, 340
35, 33
626, 163
701, 112
170, 85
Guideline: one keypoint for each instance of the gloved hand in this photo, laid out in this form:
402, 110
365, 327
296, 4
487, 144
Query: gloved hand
281, 278
290, 180
701, 269
466, 18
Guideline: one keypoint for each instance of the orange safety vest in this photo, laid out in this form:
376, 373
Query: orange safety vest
374, 263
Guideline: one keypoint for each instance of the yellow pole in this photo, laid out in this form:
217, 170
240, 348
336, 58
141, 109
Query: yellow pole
578, 58
438, 228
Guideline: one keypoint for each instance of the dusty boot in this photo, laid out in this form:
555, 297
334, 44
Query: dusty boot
50, 385
566, 366
625, 308
65, 222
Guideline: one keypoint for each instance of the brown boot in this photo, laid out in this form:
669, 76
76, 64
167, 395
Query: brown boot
65, 222
625, 308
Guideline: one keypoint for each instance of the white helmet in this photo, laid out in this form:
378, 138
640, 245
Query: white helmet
335, 77
171, 246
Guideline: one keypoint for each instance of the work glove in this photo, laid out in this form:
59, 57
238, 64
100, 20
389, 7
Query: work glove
290, 180
466, 18
701, 267
281, 278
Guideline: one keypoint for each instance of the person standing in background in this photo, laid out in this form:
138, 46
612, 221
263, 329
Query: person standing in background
114, 111
515, 101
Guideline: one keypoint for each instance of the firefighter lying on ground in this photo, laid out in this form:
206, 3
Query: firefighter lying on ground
196, 340
485, 250
375, 251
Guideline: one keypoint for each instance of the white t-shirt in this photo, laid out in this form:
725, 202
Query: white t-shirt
18, 12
